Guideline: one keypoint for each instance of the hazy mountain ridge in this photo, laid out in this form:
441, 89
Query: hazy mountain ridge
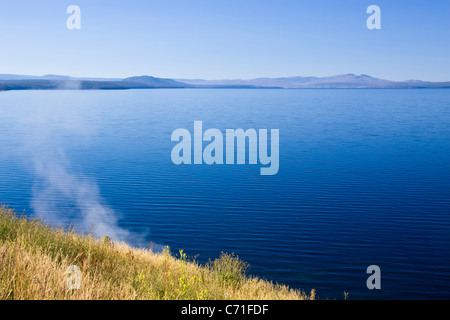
61, 82
338, 81
157, 82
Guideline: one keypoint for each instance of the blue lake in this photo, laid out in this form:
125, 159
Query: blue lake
364, 179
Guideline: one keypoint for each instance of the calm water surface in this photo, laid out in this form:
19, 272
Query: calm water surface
364, 179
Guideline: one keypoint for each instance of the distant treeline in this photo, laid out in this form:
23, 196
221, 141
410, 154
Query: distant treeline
100, 85
72, 85
346, 81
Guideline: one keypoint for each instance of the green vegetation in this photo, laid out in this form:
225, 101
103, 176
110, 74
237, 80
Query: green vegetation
35, 257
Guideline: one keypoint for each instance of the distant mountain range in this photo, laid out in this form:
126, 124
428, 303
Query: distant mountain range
59, 82
338, 81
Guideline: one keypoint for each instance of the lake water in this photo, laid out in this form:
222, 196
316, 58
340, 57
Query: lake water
364, 179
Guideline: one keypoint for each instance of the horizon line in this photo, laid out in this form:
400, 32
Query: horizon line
216, 79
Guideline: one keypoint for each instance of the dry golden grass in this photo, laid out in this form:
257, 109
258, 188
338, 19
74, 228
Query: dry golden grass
35, 257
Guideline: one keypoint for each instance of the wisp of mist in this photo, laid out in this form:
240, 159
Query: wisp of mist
61, 193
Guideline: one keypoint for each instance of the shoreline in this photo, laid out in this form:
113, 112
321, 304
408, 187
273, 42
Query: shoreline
37, 262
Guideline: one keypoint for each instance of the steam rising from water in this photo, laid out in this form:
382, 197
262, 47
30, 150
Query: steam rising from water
62, 195
56, 189
69, 85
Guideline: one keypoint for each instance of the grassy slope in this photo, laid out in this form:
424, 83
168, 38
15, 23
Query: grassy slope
34, 261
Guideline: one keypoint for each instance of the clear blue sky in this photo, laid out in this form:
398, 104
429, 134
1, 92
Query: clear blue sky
214, 39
